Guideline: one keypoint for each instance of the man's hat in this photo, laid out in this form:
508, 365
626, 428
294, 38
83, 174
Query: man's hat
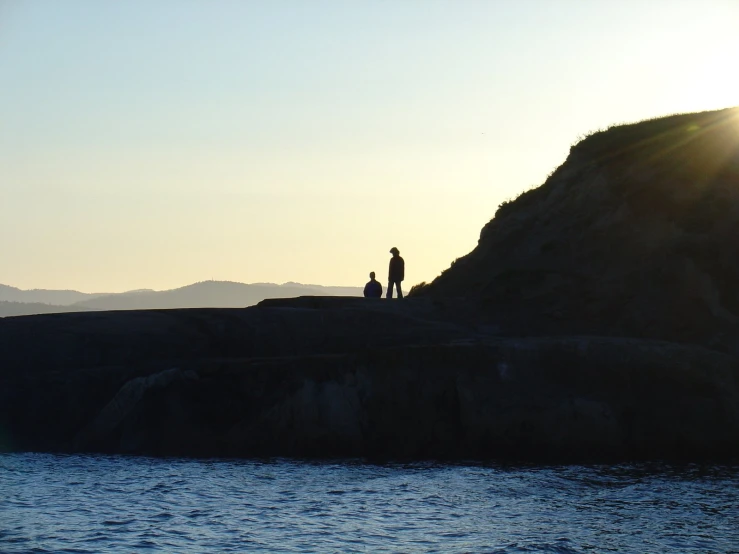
394, 250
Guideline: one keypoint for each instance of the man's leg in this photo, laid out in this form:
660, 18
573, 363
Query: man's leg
400, 292
389, 290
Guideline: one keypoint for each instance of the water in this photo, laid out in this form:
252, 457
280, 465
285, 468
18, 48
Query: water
97, 504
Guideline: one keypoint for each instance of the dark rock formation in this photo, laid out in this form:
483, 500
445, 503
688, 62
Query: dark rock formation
354, 378
634, 235
596, 320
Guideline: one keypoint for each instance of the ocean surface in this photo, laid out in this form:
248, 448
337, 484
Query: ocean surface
96, 504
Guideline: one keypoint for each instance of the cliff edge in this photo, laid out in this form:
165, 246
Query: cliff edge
634, 235
595, 321
342, 377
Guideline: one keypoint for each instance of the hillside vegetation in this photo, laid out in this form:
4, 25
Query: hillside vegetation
634, 235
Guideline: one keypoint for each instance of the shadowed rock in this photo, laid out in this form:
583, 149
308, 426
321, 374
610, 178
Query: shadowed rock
634, 235
337, 383
596, 320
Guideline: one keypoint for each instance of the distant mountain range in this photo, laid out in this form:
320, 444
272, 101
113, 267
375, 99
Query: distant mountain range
57, 297
206, 294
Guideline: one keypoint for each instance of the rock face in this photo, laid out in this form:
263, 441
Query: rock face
595, 321
355, 378
634, 235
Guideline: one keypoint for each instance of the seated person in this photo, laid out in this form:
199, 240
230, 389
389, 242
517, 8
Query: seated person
373, 289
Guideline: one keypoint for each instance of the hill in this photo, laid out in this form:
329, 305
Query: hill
206, 294
43, 296
34, 308
210, 294
634, 235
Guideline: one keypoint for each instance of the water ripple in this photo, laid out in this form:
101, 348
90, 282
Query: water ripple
121, 504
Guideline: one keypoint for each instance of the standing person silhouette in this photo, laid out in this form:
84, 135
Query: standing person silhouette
373, 288
396, 274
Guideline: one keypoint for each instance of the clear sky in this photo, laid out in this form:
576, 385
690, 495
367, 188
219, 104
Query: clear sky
154, 143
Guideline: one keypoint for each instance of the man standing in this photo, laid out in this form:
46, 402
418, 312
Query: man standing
396, 273
373, 289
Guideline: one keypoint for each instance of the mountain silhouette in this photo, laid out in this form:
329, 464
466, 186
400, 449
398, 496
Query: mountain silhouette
205, 294
43, 296
34, 308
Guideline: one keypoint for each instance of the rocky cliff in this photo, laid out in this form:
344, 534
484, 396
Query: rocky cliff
342, 377
634, 235
596, 320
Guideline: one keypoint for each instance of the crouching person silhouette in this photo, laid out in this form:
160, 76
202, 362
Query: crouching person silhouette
373, 288
396, 274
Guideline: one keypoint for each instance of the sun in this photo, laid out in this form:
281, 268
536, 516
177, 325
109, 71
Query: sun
713, 85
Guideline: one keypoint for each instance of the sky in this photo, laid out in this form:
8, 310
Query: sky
156, 143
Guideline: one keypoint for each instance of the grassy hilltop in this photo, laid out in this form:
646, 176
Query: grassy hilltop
634, 235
